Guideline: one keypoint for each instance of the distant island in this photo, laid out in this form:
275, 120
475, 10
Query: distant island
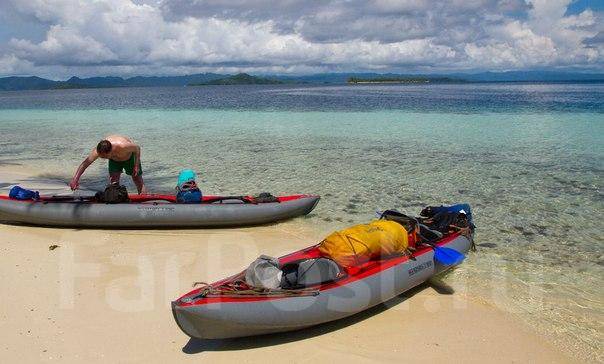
405, 80
16, 83
239, 79
19, 83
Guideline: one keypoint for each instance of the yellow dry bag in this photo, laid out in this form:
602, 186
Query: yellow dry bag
360, 243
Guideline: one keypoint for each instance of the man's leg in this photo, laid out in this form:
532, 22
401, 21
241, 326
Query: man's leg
114, 177
115, 171
138, 179
140, 184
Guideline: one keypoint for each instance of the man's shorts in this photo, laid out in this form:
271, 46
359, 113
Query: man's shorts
128, 166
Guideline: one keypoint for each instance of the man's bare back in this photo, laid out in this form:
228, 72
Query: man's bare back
123, 155
122, 148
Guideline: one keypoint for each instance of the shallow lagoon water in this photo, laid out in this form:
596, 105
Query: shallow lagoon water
531, 167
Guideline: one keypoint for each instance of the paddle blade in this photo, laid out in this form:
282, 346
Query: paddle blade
448, 256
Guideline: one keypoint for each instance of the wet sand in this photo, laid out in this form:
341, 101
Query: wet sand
104, 296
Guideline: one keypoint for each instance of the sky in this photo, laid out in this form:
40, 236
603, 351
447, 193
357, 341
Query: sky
60, 38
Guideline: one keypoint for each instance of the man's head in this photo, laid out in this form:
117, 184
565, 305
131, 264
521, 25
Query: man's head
103, 148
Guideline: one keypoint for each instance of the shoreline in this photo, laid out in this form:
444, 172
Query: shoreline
114, 287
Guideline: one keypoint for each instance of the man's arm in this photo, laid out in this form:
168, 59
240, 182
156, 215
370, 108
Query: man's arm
74, 184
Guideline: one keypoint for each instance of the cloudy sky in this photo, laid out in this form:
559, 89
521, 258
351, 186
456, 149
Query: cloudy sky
59, 38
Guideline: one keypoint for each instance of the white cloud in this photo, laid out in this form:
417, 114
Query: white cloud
63, 46
176, 36
517, 46
11, 65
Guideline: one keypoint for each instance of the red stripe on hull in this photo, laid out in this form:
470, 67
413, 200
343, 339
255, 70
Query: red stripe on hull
365, 270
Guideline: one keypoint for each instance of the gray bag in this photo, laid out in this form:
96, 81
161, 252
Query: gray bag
264, 272
309, 272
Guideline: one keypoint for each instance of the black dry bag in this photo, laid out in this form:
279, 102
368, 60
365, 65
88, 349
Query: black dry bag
114, 193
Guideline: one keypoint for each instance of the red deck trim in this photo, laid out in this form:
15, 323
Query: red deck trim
149, 197
366, 270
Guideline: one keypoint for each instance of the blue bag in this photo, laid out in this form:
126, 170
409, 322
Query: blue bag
457, 208
191, 196
19, 193
188, 192
461, 208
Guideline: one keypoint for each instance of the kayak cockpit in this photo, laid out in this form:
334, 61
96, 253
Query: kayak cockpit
235, 288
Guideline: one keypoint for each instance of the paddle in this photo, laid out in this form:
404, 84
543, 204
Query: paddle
79, 195
446, 256
74, 196
443, 255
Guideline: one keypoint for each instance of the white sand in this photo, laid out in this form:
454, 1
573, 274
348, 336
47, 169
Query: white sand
104, 296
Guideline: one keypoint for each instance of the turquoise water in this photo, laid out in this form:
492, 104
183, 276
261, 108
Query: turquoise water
534, 179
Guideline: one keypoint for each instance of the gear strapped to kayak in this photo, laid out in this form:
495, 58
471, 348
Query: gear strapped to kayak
114, 193
19, 193
187, 190
150, 210
360, 243
316, 287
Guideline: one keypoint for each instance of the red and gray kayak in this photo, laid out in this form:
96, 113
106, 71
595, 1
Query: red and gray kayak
224, 310
149, 211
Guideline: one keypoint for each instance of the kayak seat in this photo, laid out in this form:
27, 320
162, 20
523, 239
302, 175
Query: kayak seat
309, 272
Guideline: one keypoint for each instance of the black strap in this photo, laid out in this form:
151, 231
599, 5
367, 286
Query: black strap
66, 198
244, 199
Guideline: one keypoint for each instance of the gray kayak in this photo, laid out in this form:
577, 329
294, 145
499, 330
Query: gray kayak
154, 211
213, 312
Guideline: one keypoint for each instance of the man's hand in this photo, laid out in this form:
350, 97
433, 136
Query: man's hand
74, 184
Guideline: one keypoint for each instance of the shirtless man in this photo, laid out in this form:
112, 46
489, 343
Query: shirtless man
123, 154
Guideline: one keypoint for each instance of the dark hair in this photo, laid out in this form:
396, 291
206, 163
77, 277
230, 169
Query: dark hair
104, 146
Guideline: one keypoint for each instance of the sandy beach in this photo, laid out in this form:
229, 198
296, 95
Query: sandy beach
104, 296
343, 110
